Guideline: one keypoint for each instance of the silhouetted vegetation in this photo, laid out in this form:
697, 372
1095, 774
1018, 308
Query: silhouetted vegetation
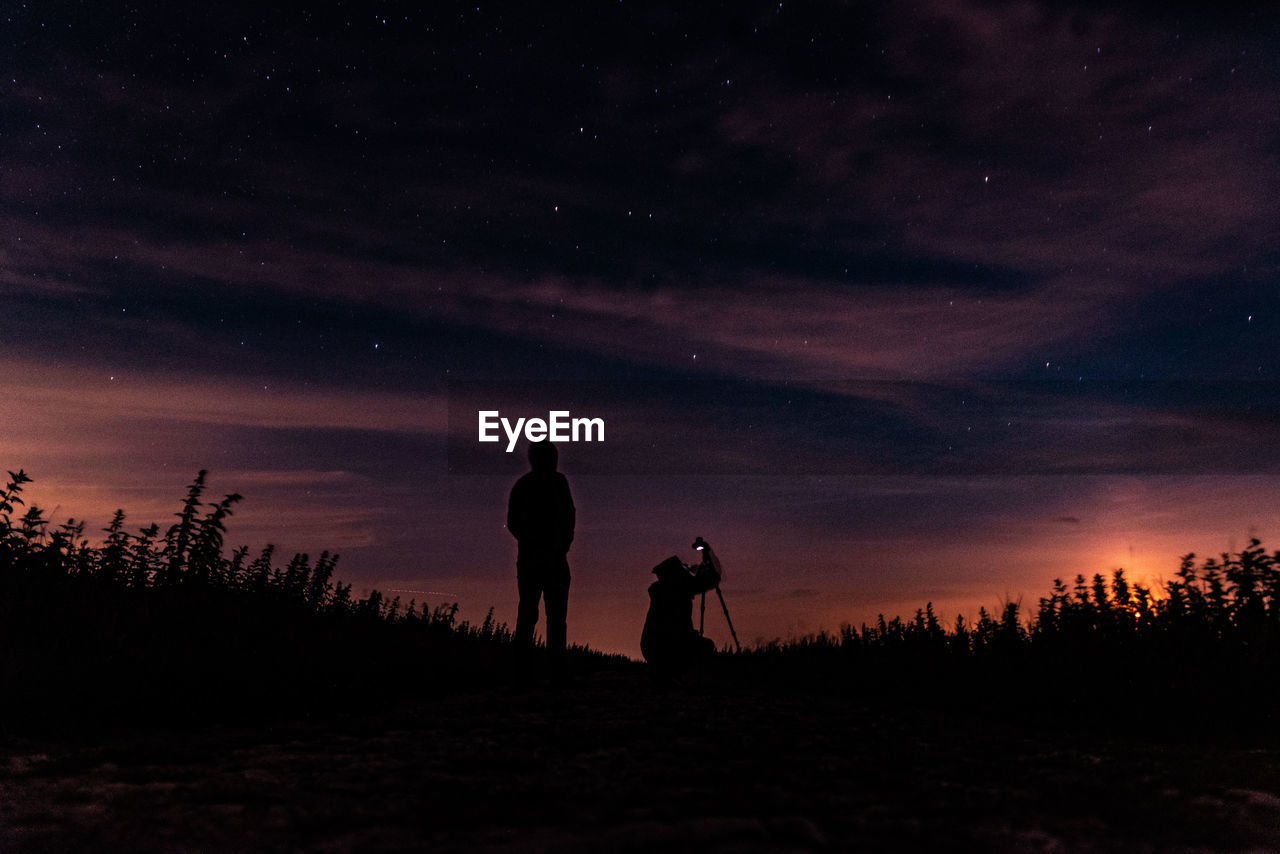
1200, 653
165, 627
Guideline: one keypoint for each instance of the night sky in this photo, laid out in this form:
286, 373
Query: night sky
891, 305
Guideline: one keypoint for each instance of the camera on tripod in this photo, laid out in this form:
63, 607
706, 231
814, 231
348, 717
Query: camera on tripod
709, 558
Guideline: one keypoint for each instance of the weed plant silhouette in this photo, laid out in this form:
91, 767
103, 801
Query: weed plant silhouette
168, 627
164, 628
1198, 653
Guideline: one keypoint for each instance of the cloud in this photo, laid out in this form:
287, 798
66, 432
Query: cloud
45, 396
765, 326
975, 189
1067, 144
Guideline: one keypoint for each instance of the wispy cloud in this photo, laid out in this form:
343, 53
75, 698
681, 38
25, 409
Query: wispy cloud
45, 397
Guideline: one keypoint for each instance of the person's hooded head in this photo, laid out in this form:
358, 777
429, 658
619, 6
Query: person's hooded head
543, 456
671, 568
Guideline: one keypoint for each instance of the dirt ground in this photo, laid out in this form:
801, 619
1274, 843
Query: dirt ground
613, 763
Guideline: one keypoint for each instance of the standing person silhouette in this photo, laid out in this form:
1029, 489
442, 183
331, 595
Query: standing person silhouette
541, 516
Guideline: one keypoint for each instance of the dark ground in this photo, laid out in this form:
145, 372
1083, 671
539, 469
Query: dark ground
612, 763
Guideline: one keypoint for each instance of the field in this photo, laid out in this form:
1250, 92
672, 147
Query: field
614, 763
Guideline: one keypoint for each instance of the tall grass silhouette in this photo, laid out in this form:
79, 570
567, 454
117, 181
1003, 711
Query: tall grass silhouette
167, 626
1229, 604
1198, 653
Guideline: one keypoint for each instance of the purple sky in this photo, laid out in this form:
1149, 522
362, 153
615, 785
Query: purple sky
983, 293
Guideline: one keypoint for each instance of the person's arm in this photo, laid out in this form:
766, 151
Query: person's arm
706, 578
572, 514
515, 512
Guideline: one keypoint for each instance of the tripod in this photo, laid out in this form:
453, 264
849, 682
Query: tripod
709, 556
703, 616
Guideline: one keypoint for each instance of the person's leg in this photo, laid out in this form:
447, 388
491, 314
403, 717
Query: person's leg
556, 596
661, 660
530, 585
694, 654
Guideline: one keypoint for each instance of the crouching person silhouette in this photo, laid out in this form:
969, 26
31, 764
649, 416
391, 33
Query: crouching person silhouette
541, 516
669, 642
